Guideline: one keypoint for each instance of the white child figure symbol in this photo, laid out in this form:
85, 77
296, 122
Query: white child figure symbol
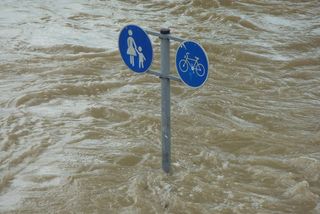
142, 58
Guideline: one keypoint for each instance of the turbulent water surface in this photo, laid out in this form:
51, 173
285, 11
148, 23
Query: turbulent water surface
80, 133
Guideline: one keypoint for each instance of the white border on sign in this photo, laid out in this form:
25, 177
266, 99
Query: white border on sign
149, 41
205, 53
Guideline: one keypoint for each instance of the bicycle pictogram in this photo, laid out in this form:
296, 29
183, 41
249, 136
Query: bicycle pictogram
189, 63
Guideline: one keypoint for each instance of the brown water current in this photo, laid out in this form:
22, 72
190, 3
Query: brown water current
80, 133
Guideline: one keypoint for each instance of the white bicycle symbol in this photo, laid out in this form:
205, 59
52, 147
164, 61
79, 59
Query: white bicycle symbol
197, 67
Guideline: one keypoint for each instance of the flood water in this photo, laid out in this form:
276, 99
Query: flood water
80, 132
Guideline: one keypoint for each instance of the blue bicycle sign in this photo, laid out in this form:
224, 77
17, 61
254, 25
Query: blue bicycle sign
192, 64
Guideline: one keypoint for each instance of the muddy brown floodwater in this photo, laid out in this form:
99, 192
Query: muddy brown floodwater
80, 133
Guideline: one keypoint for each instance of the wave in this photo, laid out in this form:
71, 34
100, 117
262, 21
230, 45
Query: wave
45, 95
301, 195
67, 48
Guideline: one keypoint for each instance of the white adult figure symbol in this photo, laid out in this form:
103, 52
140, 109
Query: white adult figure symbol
132, 47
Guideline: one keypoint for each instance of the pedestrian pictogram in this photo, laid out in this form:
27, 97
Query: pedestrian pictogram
135, 48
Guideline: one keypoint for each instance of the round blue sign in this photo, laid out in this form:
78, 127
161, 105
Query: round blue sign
135, 48
192, 64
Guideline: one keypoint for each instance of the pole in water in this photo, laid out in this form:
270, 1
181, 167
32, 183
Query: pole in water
165, 100
199, 76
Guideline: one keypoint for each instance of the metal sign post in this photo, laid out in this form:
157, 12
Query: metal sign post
165, 100
191, 62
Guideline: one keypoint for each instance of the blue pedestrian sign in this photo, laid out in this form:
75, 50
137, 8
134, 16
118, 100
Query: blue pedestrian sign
135, 48
192, 64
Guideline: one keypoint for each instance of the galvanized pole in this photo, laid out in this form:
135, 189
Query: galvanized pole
165, 100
